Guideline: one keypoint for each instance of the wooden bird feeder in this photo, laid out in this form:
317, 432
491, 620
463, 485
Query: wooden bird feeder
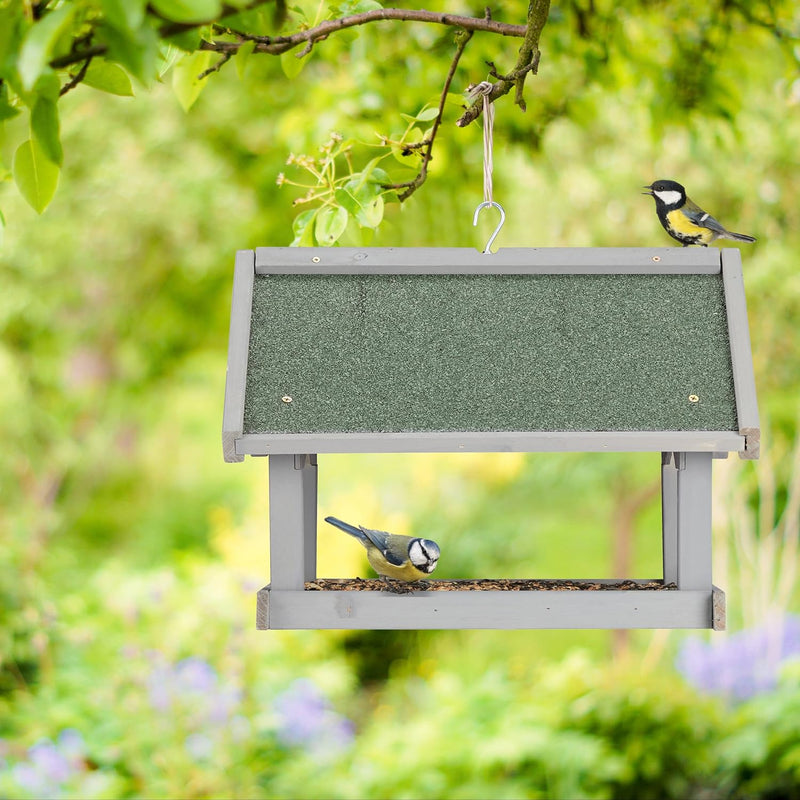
449, 350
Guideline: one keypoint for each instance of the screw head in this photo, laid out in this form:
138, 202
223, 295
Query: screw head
315, 259
693, 398
286, 399
656, 258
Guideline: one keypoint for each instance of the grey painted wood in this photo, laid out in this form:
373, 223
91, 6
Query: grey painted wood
686, 473
238, 346
491, 609
292, 521
309, 481
491, 442
669, 517
554, 260
694, 520
719, 619
741, 355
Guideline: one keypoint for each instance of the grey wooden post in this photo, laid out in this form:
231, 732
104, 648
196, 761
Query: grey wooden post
292, 520
669, 517
693, 520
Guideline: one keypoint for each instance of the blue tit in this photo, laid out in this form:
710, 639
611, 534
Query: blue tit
404, 558
684, 220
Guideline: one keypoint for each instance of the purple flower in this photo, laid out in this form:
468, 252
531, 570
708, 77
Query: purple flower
223, 704
159, 688
744, 664
30, 780
306, 719
194, 686
199, 746
49, 766
195, 675
49, 761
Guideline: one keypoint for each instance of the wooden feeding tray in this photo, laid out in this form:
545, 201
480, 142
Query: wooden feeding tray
450, 350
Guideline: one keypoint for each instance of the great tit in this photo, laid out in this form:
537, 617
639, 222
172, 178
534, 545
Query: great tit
404, 558
684, 220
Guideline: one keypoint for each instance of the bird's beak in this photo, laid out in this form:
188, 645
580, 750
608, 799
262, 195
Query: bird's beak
649, 190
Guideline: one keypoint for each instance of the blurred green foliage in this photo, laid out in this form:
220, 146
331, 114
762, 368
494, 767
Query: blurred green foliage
214, 711
128, 661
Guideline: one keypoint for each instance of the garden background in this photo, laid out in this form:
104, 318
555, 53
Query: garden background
131, 554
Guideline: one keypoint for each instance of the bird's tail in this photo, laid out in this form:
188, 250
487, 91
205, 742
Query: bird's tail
347, 528
738, 237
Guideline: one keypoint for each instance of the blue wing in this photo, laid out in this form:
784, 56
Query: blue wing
698, 217
394, 548
394, 551
348, 528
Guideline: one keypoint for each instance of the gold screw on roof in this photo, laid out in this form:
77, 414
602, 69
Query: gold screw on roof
286, 398
693, 398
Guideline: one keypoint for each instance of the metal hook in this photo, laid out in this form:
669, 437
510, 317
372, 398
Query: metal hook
486, 204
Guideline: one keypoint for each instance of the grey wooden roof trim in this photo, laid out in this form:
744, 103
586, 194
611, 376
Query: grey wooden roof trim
491, 442
510, 261
238, 342
741, 355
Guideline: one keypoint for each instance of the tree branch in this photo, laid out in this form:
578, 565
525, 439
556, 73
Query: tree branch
226, 57
275, 45
411, 186
77, 78
527, 61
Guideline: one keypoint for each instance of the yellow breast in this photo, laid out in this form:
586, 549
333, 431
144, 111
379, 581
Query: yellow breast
681, 224
408, 572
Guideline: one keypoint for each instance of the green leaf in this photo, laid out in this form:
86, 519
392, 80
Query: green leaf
347, 201
48, 85
35, 175
192, 11
303, 229
372, 214
242, 58
330, 225
108, 77
187, 41
359, 179
362, 201
39, 42
428, 114
124, 14
366, 5
46, 130
169, 56
349, 7
2, 228
185, 77
291, 65
137, 50
13, 26
379, 175
7, 111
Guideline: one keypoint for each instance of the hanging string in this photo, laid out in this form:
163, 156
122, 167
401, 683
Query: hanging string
488, 164
473, 92
484, 88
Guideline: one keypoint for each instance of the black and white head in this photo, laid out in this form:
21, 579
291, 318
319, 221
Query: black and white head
670, 193
423, 554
